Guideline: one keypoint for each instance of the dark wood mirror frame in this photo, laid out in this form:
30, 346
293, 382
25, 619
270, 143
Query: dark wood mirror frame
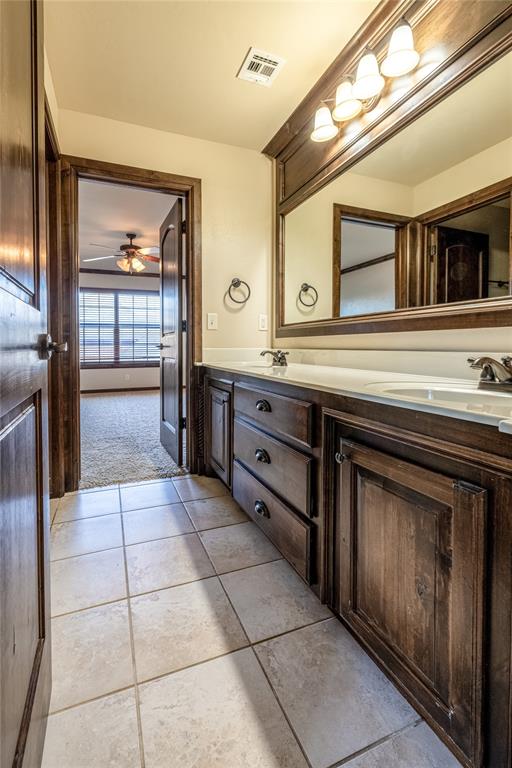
474, 34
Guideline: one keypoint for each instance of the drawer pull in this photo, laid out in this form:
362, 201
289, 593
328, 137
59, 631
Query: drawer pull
261, 508
340, 457
263, 405
262, 455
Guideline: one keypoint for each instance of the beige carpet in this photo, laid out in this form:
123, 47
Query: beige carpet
120, 439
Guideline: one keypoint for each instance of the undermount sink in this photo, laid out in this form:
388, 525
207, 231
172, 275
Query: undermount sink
469, 398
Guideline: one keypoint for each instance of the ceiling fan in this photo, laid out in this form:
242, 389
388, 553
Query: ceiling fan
132, 256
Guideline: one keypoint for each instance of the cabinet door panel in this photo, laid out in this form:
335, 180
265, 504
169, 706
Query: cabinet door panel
411, 581
219, 441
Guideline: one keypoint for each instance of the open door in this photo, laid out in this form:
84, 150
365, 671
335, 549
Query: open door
25, 670
171, 350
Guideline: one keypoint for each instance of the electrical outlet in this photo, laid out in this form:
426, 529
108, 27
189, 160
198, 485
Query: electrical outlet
263, 323
212, 321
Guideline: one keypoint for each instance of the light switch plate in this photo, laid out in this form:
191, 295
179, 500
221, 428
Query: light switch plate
263, 323
212, 321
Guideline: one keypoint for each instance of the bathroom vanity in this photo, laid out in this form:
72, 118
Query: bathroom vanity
396, 507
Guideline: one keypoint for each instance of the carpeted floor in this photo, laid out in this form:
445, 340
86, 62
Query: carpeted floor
120, 439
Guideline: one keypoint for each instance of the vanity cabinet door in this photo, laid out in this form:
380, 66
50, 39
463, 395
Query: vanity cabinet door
218, 443
409, 572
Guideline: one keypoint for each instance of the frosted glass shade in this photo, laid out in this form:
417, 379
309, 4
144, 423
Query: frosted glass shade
347, 106
124, 264
137, 264
402, 57
324, 127
369, 82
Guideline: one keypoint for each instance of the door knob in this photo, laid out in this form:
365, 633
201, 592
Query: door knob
46, 346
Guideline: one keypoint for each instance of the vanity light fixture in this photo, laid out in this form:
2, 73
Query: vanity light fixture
347, 106
402, 57
324, 128
369, 82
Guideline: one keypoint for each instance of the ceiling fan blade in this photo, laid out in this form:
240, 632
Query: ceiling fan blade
98, 245
153, 250
146, 257
100, 258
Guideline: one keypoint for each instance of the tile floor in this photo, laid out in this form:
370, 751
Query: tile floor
181, 639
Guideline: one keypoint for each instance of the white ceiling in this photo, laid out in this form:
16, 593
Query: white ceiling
362, 242
173, 65
106, 212
473, 118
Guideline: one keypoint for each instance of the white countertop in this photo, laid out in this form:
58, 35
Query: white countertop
456, 398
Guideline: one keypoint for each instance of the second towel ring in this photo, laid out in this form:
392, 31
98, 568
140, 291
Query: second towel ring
305, 288
236, 283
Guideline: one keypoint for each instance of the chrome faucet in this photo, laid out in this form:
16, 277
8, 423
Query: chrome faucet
494, 374
278, 357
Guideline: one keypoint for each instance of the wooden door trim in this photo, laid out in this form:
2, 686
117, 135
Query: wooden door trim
74, 168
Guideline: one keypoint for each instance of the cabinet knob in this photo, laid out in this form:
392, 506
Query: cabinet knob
263, 405
261, 508
262, 455
340, 457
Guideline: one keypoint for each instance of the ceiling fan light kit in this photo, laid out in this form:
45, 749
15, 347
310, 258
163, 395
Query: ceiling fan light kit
133, 256
361, 94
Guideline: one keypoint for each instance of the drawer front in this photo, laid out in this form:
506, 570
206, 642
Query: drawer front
291, 535
286, 471
277, 414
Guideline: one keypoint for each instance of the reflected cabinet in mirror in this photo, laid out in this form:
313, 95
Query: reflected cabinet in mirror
421, 225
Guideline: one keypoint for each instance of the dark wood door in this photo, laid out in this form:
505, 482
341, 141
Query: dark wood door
410, 570
219, 454
171, 362
25, 671
461, 265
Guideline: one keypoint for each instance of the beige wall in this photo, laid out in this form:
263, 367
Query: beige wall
236, 207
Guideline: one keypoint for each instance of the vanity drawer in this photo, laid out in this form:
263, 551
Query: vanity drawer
290, 534
286, 471
278, 414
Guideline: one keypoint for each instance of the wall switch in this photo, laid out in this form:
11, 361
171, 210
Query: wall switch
263, 323
213, 322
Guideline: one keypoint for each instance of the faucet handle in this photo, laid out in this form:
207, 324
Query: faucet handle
472, 361
507, 361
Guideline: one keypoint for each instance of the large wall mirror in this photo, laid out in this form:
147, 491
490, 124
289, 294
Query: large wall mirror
423, 221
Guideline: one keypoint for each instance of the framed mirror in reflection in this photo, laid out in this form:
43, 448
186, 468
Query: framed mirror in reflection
422, 221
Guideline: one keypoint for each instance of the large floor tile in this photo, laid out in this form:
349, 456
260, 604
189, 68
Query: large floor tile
82, 536
166, 563
177, 627
336, 699
417, 747
91, 654
199, 487
238, 546
87, 580
155, 523
221, 714
271, 599
99, 734
148, 495
215, 512
91, 504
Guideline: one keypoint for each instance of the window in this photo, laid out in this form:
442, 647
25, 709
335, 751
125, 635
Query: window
119, 328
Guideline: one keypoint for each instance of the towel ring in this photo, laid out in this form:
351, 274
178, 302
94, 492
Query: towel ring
305, 287
236, 283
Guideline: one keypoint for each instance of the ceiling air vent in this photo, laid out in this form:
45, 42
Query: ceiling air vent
260, 67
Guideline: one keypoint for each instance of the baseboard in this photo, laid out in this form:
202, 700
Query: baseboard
119, 389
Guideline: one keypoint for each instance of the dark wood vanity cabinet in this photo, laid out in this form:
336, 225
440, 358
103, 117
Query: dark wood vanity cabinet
218, 444
401, 521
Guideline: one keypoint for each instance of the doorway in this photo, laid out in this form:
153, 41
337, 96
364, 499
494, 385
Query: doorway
121, 396
120, 329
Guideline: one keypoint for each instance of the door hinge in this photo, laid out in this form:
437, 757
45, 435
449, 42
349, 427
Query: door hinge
184, 227
184, 326
433, 251
183, 422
